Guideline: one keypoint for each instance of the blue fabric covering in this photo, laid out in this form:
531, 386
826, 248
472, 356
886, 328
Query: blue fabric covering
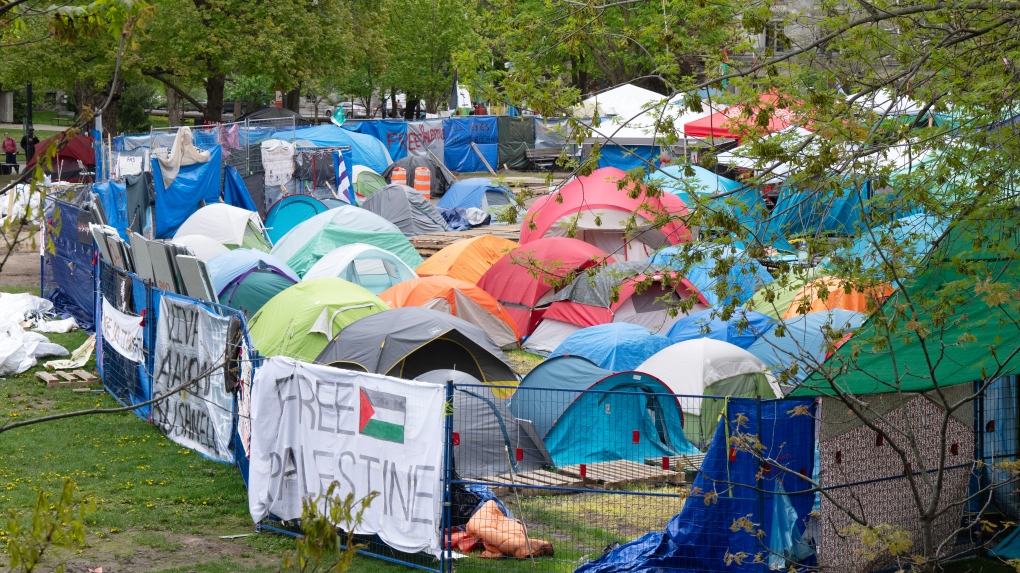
550, 387
700, 537
68, 278
691, 327
391, 132
365, 149
194, 183
469, 193
1008, 548
812, 211
917, 232
742, 280
803, 341
459, 133
629, 157
235, 192
708, 183
113, 196
289, 212
223, 269
455, 219
616, 346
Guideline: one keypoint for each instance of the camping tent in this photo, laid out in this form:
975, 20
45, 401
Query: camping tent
78, 148
246, 279
586, 414
727, 124
366, 181
440, 178
486, 431
741, 329
289, 212
406, 208
773, 300
347, 216
827, 293
479, 193
611, 295
515, 135
803, 341
625, 100
703, 182
301, 320
744, 275
371, 267
334, 235
615, 346
459, 298
524, 279
600, 213
707, 367
231, 226
467, 259
408, 342
204, 248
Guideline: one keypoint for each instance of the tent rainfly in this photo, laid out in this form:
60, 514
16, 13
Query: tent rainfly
467, 259
371, 267
406, 208
230, 226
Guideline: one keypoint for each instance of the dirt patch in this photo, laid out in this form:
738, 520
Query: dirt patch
22, 268
153, 551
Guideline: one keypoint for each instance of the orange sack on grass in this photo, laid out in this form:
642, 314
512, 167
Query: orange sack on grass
504, 536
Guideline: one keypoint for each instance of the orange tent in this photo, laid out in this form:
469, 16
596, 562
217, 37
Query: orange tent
809, 299
467, 259
459, 298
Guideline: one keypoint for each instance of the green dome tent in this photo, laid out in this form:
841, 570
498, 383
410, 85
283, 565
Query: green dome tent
302, 319
332, 236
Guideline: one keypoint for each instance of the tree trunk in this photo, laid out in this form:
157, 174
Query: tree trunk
214, 98
409, 108
292, 100
173, 108
393, 101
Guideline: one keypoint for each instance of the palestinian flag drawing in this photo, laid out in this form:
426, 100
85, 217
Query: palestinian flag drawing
382, 415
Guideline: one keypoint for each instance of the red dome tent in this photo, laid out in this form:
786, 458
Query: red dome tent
65, 163
520, 281
601, 211
725, 124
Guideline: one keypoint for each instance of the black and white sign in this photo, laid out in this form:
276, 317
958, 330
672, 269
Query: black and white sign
122, 331
191, 341
312, 425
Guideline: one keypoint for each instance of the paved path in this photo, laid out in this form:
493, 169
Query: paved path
36, 126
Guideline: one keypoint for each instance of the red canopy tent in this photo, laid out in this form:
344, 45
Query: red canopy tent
725, 124
79, 148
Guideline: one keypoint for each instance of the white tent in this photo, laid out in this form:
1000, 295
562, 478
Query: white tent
205, 249
345, 215
742, 158
626, 100
371, 267
228, 225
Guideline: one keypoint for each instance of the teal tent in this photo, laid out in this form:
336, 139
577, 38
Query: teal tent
333, 235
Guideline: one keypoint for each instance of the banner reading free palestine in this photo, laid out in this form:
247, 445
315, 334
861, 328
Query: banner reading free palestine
313, 425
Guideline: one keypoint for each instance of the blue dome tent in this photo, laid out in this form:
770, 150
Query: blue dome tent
675, 180
477, 192
615, 346
289, 212
741, 329
246, 279
745, 277
586, 414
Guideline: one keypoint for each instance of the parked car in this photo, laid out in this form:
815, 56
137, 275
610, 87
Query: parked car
354, 110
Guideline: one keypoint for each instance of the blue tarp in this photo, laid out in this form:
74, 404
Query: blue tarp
629, 157
113, 196
742, 328
744, 278
803, 340
709, 527
459, 133
391, 132
456, 219
616, 346
194, 183
914, 233
365, 149
703, 181
815, 211
68, 279
235, 192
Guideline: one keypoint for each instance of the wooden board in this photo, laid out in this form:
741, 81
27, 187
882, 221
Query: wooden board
679, 463
431, 243
620, 473
75, 379
535, 480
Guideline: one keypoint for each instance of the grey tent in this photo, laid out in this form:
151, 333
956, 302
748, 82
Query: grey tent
441, 178
409, 341
275, 113
406, 208
490, 439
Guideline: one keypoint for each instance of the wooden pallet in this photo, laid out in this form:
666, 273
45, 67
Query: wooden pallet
431, 243
688, 463
75, 379
621, 473
536, 481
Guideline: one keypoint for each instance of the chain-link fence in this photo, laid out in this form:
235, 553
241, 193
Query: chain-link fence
240, 140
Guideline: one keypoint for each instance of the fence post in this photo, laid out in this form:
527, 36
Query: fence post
760, 481
445, 558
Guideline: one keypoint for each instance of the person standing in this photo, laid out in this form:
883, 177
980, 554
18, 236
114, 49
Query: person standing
10, 149
28, 145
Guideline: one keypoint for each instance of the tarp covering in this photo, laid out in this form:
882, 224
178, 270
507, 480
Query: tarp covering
425, 138
674, 179
391, 132
235, 192
614, 346
113, 196
744, 275
516, 136
194, 183
627, 157
803, 341
741, 329
991, 248
727, 124
68, 280
702, 536
460, 132
365, 149
811, 211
